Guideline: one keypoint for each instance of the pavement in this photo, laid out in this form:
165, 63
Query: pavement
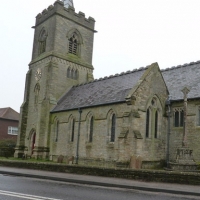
190, 190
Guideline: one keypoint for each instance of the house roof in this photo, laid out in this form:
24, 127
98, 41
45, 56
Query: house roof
9, 113
114, 89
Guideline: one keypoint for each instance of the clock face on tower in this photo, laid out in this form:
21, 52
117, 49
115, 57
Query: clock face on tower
38, 74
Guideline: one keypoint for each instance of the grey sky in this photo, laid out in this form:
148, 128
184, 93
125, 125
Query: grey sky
131, 34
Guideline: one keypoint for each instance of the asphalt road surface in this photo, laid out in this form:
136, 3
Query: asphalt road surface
15, 188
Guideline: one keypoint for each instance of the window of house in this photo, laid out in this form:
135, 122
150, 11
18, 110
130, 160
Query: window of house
91, 129
12, 130
178, 117
113, 125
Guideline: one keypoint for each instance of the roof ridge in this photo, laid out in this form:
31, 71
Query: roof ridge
113, 76
179, 66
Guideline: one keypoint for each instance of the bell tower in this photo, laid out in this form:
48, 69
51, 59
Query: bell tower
61, 57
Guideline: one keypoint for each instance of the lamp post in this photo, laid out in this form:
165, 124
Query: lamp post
168, 103
77, 146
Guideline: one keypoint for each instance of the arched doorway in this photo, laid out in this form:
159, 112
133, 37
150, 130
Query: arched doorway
32, 141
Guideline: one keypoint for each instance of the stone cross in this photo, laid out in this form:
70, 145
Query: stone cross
185, 91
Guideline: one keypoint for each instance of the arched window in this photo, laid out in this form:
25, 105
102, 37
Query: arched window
72, 130
42, 41
91, 129
76, 74
72, 74
147, 122
56, 130
113, 124
75, 40
69, 72
153, 119
36, 91
156, 125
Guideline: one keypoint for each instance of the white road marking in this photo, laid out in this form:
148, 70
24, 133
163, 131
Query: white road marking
25, 196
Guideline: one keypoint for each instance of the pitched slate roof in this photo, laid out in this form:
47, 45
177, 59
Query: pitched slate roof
114, 89
106, 90
187, 75
9, 113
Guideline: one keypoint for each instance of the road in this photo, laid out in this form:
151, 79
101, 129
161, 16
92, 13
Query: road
15, 188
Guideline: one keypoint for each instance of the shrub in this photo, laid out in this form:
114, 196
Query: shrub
7, 148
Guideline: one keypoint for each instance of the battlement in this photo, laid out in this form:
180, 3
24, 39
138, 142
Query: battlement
59, 9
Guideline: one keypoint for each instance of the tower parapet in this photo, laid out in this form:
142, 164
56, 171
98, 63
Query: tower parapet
59, 9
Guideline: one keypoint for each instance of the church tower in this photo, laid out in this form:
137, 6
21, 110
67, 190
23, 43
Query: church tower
61, 58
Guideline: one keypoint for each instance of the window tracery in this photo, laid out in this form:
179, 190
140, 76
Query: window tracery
153, 120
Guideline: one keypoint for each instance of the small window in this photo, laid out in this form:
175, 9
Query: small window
12, 130
113, 125
178, 117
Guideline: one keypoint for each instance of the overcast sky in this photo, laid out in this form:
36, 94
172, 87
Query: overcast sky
131, 34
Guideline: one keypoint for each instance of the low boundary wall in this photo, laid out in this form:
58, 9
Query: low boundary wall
192, 178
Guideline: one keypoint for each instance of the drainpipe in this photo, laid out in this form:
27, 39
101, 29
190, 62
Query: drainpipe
77, 146
168, 103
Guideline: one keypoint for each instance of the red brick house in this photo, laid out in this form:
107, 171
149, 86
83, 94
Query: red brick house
9, 120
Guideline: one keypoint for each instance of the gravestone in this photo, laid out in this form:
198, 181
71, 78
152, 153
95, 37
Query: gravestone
60, 159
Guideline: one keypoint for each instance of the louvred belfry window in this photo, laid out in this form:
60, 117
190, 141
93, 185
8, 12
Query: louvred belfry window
73, 44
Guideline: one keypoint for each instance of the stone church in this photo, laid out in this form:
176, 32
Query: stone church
115, 121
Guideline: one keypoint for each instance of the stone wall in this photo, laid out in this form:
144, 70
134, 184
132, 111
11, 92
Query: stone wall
143, 175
